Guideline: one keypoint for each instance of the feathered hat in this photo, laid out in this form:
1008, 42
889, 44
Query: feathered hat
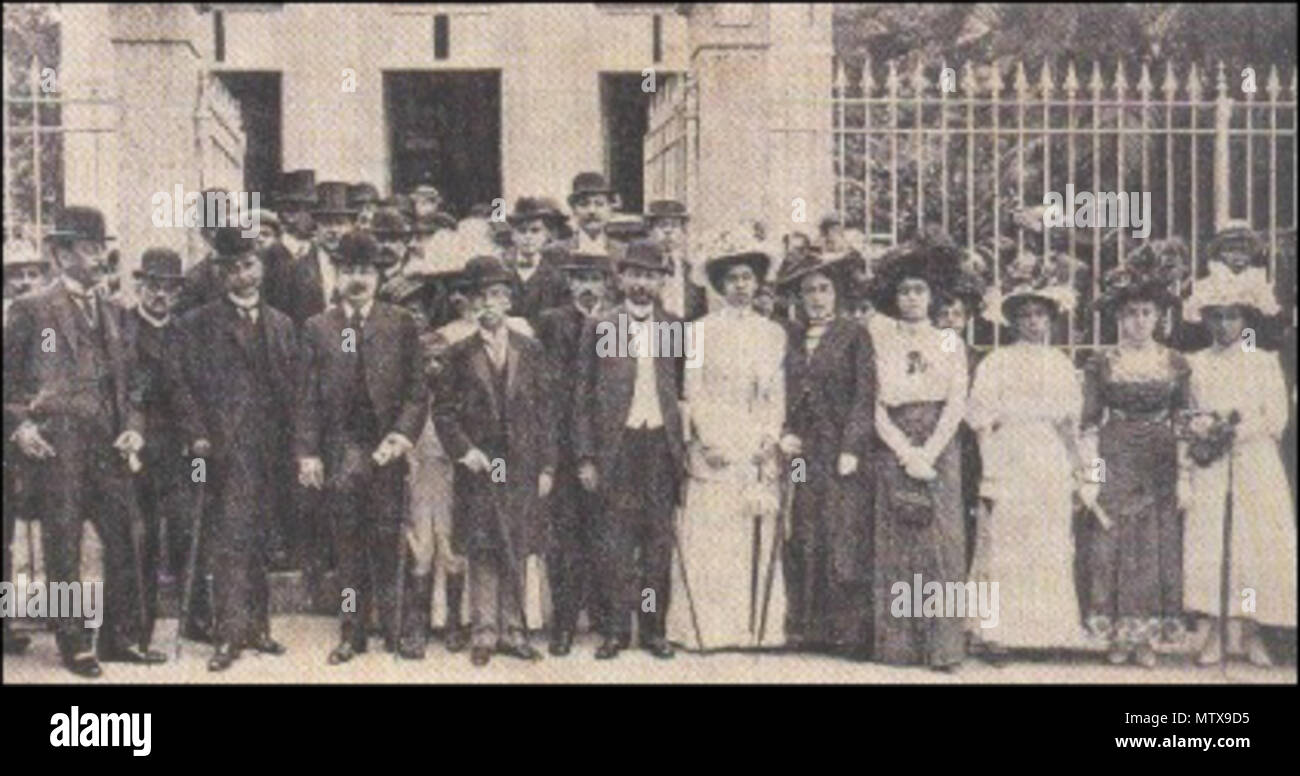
727, 247
930, 256
1032, 276
1227, 289
1151, 273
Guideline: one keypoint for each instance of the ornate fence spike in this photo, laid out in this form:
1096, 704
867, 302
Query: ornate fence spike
1022, 81
891, 80
1071, 80
867, 82
1194, 85
1293, 83
1170, 86
995, 80
1221, 82
1045, 84
919, 81
839, 82
1145, 85
968, 83
1274, 86
1095, 84
1121, 81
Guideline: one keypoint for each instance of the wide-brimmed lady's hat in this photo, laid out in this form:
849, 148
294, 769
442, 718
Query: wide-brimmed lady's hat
1151, 273
930, 257
726, 248
840, 270
1249, 290
1031, 276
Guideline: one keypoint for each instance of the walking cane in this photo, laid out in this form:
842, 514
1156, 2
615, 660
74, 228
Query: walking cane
135, 519
681, 566
1224, 569
778, 544
507, 549
191, 566
401, 559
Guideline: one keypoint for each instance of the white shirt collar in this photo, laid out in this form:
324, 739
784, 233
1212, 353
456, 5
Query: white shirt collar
247, 304
149, 318
349, 310
642, 312
75, 288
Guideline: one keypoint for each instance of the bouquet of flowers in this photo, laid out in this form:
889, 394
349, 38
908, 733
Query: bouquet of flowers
1209, 434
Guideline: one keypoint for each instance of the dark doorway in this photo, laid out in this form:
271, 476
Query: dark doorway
444, 128
625, 111
258, 94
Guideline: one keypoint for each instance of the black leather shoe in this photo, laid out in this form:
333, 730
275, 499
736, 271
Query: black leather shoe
561, 643
609, 649
457, 639
83, 665
223, 657
267, 645
480, 656
521, 651
660, 648
16, 643
133, 655
342, 653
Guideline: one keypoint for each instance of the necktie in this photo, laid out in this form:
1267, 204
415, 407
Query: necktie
88, 309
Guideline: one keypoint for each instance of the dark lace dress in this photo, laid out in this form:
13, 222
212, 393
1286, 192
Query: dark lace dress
1133, 570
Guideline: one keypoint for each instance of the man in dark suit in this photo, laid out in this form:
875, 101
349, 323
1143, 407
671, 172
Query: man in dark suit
163, 488
572, 509
667, 219
363, 403
539, 281
492, 412
630, 445
314, 283
234, 382
67, 397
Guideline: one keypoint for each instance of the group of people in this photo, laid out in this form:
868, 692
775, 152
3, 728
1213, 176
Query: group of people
399, 391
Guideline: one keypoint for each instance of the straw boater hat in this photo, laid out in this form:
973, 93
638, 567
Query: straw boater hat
932, 258
1027, 277
726, 248
1151, 273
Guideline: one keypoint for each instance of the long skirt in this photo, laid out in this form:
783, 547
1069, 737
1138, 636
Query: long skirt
727, 556
1135, 568
1262, 568
920, 531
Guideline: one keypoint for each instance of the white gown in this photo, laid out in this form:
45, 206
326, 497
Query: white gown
735, 399
1263, 539
1021, 392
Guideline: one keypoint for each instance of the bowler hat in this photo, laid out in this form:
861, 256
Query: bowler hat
360, 194
665, 208
645, 254
575, 261
588, 183
356, 249
529, 208
161, 263
332, 199
79, 223
229, 243
483, 271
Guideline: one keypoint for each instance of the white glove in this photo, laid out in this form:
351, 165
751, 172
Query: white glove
476, 461
311, 472
129, 442
31, 443
791, 445
393, 446
848, 463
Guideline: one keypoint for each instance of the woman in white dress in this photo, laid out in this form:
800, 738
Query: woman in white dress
1231, 376
1025, 407
736, 409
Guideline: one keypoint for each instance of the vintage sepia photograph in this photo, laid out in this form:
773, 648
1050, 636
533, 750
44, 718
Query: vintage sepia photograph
649, 344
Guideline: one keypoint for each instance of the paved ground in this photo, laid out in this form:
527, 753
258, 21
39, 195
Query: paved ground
309, 639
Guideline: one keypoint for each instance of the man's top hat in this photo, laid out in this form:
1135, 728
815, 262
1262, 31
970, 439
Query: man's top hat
645, 254
296, 187
529, 208
356, 249
589, 183
389, 223
332, 199
161, 263
484, 270
665, 208
360, 194
229, 243
79, 223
